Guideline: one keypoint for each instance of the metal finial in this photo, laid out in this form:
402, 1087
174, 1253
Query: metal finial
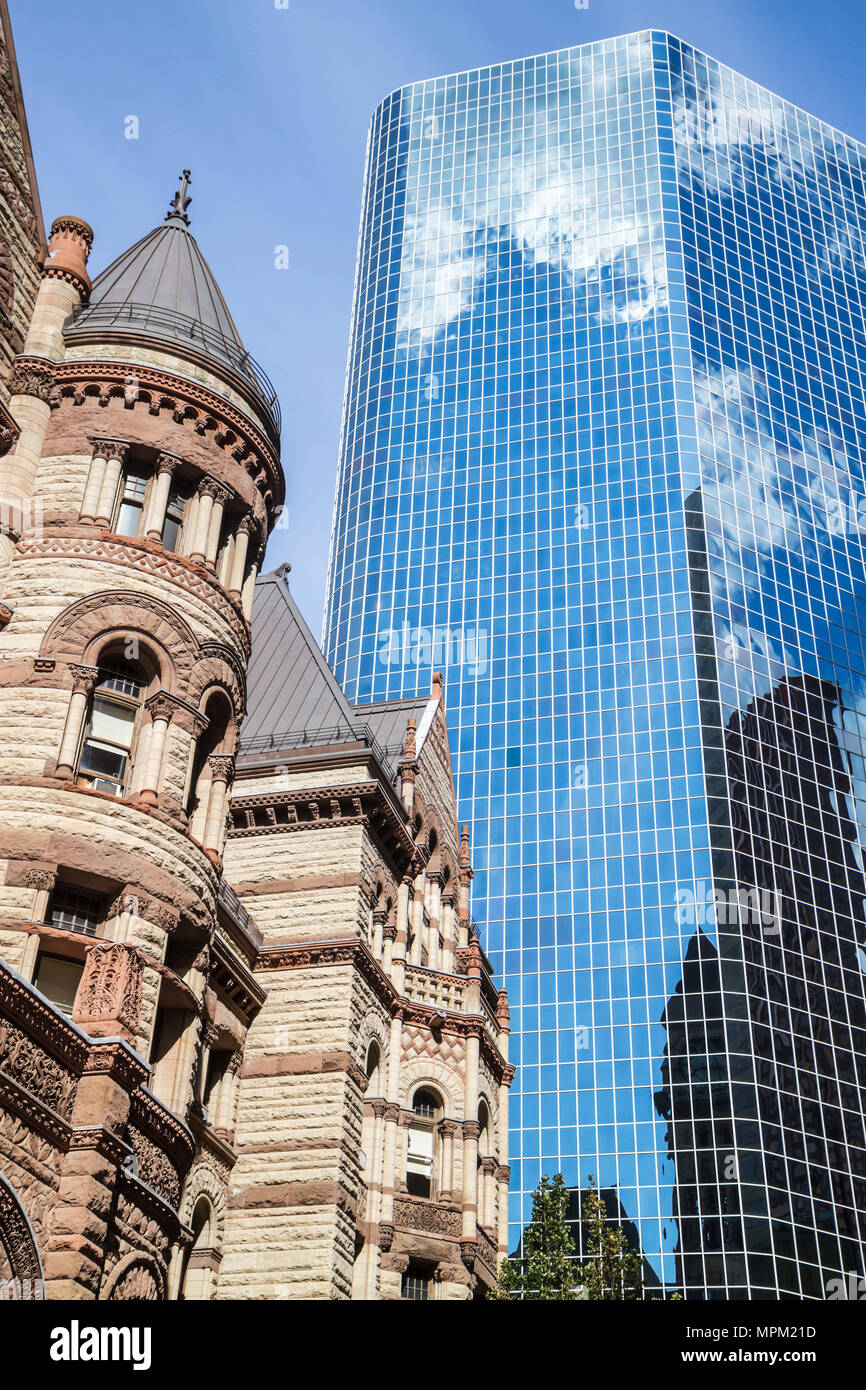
181, 200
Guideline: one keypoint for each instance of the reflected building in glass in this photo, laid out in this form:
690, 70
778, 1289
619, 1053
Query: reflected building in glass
603, 463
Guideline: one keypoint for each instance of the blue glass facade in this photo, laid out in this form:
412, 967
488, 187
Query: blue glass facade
602, 462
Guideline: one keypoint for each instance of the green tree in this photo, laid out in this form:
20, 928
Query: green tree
545, 1268
612, 1271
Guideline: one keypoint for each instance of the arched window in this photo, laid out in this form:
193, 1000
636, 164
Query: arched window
374, 1068
486, 1190
206, 804
105, 760
421, 1154
198, 1275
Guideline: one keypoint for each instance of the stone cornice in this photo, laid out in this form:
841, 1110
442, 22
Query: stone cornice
188, 402
305, 955
307, 808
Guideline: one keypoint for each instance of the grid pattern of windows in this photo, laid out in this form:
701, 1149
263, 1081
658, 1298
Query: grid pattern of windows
605, 392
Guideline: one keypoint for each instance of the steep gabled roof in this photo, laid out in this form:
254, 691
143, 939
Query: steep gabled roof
291, 688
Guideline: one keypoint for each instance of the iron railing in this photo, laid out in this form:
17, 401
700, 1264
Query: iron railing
315, 738
166, 323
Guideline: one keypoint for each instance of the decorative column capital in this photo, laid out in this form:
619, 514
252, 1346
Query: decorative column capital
471, 1130
163, 705
212, 487
209, 1034
392, 1113
222, 767
236, 1062
448, 1128
32, 376
503, 1173
104, 447
167, 463
247, 525
84, 678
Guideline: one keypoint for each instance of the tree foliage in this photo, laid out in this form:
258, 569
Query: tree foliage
547, 1269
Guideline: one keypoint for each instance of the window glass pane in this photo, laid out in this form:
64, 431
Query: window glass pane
74, 909
112, 722
134, 486
58, 980
170, 533
126, 677
128, 519
103, 760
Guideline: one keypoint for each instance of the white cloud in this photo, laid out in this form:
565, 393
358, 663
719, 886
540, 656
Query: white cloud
545, 186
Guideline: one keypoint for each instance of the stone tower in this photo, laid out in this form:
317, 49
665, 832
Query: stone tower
136, 502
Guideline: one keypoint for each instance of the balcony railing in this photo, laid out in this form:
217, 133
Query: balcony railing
431, 987
173, 327
291, 739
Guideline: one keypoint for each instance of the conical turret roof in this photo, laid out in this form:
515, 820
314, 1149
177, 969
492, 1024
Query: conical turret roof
163, 290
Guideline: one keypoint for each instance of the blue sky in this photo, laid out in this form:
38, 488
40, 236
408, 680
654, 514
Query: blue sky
269, 108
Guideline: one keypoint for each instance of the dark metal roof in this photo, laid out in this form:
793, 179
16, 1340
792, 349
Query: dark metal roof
294, 699
162, 289
388, 720
291, 689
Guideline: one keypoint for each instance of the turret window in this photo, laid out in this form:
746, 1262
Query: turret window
131, 504
106, 752
173, 521
74, 909
415, 1285
58, 980
421, 1152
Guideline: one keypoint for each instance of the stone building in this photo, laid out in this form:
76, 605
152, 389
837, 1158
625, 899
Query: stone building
249, 1043
22, 235
372, 1126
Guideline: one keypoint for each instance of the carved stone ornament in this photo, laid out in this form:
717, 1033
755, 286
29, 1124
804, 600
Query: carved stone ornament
162, 705
109, 993
16, 1237
30, 376
43, 880
84, 678
136, 1278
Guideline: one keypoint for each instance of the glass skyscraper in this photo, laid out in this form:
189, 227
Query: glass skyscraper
603, 463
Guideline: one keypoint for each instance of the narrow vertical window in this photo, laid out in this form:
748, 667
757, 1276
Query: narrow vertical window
131, 504
174, 508
105, 761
